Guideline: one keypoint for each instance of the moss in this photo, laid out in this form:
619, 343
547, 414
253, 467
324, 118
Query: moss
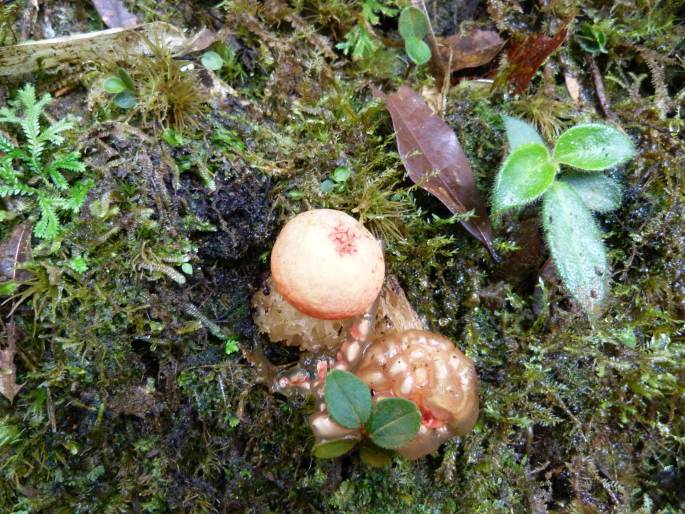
130, 401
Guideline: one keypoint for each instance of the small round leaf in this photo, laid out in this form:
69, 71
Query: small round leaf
113, 85
525, 175
348, 399
212, 61
417, 50
327, 186
413, 23
593, 147
332, 449
393, 423
125, 100
341, 174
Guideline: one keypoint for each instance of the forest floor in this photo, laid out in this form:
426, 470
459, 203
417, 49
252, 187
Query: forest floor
133, 374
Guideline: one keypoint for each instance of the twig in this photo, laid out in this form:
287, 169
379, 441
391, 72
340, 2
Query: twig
446, 83
51, 411
599, 88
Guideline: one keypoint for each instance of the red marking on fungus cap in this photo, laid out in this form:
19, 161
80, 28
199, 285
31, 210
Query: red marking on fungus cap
344, 239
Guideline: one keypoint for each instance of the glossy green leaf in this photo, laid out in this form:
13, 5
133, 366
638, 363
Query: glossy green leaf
593, 147
575, 242
599, 192
393, 423
327, 186
126, 78
520, 133
348, 399
341, 174
413, 23
417, 50
525, 175
125, 100
374, 456
113, 85
212, 60
333, 449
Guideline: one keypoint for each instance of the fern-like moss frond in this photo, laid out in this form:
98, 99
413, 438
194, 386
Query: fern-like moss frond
21, 164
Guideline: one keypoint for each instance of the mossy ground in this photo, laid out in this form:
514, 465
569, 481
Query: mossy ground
131, 402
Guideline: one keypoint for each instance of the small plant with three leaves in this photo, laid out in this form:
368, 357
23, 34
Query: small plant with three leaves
35, 170
384, 425
574, 239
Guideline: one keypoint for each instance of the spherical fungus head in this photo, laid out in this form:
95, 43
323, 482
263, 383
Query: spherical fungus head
327, 265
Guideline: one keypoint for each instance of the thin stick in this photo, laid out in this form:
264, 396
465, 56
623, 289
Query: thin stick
599, 88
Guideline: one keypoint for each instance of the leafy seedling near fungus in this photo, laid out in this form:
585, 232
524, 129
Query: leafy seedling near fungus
387, 424
33, 170
414, 28
573, 237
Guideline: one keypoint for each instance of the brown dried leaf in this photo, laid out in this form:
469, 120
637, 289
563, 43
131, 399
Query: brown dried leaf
115, 14
471, 50
528, 53
434, 159
14, 251
8, 371
201, 41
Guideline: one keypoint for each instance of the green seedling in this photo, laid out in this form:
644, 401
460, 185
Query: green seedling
414, 28
36, 168
574, 239
592, 39
123, 88
223, 60
336, 181
384, 425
